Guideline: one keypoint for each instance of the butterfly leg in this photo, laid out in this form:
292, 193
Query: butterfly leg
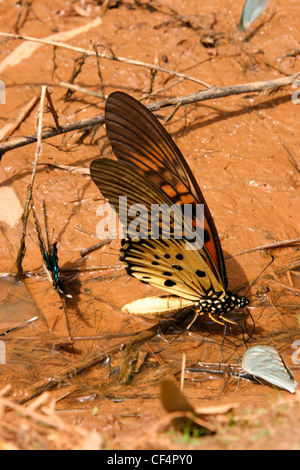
216, 320
225, 320
221, 319
198, 312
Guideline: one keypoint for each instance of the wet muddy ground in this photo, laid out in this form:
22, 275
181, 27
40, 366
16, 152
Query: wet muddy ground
243, 151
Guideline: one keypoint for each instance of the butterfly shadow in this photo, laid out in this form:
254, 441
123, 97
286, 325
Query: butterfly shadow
72, 288
200, 122
258, 28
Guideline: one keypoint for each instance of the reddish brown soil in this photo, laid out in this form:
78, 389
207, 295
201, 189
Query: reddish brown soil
235, 149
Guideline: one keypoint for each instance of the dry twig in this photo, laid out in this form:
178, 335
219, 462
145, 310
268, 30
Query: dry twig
211, 93
270, 246
22, 249
102, 55
295, 161
46, 426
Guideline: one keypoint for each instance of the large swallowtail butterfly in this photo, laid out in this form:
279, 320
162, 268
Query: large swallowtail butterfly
150, 169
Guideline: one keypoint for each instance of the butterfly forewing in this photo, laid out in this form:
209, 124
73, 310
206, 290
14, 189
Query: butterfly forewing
130, 184
265, 362
139, 140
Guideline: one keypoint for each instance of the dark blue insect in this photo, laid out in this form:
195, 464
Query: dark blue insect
49, 253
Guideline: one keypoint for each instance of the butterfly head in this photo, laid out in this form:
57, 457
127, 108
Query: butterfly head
234, 301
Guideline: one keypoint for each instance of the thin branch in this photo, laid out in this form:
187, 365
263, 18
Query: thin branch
20, 142
283, 286
73, 87
222, 92
212, 93
99, 72
102, 55
95, 247
52, 108
25, 215
295, 161
270, 246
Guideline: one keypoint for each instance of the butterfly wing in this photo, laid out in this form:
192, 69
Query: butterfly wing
252, 10
139, 140
265, 362
116, 180
163, 263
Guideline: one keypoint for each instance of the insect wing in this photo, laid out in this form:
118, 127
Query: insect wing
252, 10
266, 363
139, 140
163, 263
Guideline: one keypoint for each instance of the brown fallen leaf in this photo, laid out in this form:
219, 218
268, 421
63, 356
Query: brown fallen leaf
173, 400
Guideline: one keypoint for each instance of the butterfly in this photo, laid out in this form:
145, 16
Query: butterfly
150, 169
266, 363
252, 10
49, 253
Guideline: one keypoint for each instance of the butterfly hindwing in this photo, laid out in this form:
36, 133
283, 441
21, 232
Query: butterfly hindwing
139, 140
265, 362
163, 263
166, 264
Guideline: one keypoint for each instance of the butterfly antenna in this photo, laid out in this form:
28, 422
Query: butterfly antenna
245, 328
255, 280
253, 322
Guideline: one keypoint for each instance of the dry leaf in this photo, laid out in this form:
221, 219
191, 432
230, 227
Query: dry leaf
173, 400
